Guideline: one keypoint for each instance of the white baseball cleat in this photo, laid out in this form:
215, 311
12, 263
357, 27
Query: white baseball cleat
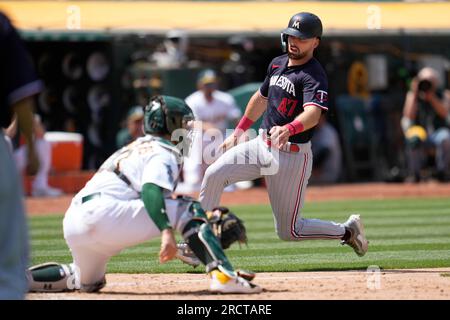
221, 283
357, 238
185, 254
47, 192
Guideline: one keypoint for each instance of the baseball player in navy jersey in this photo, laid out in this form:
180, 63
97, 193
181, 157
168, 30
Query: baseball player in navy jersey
292, 98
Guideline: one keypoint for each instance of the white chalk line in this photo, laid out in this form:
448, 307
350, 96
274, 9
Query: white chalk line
176, 282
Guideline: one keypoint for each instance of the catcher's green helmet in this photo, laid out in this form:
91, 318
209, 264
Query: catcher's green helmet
165, 114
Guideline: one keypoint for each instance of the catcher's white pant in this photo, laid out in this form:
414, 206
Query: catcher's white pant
100, 228
286, 175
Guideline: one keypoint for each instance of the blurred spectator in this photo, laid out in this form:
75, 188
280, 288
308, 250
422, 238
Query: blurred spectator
425, 123
215, 109
173, 52
243, 63
134, 129
40, 187
237, 69
18, 85
326, 148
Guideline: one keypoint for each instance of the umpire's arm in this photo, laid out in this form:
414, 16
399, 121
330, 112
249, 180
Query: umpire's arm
24, 113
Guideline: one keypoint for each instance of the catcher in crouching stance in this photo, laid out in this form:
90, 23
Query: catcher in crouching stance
128, 201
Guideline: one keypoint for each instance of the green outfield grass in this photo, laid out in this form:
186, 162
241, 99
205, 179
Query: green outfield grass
403, 233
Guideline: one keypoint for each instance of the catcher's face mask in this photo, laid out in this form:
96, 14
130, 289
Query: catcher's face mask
184, 136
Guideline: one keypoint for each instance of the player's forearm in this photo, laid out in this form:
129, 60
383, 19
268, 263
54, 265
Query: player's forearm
24, 113
308, 119
153, 198
255, 107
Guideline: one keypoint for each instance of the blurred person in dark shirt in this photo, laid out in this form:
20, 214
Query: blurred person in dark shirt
18, 84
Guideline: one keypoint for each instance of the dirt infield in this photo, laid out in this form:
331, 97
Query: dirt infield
347, 285
39, 206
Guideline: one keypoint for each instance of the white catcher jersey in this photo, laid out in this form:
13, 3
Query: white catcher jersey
148, 159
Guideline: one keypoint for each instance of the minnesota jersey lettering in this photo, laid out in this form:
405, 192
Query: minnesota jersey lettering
283, 83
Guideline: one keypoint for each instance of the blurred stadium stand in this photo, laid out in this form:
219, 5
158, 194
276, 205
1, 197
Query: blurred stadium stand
94, 73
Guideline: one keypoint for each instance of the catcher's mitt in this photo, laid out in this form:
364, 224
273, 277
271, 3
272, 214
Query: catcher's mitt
227, 227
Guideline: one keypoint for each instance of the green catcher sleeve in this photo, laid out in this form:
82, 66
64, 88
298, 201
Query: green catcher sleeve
153, 198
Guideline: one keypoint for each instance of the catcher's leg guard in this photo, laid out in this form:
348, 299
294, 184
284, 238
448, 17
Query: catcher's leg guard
204, 243
52, 277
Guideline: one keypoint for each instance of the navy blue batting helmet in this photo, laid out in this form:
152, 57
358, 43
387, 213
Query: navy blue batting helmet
303, 25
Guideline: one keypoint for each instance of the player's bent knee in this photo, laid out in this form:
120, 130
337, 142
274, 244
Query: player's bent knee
285, 236
52, 277
214, 172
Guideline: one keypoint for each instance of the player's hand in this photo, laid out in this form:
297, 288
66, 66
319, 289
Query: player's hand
229, 143
415, 86
168, 246
279, 136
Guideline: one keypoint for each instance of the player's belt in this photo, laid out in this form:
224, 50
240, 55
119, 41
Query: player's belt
122, 176
90, 197
288, 147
